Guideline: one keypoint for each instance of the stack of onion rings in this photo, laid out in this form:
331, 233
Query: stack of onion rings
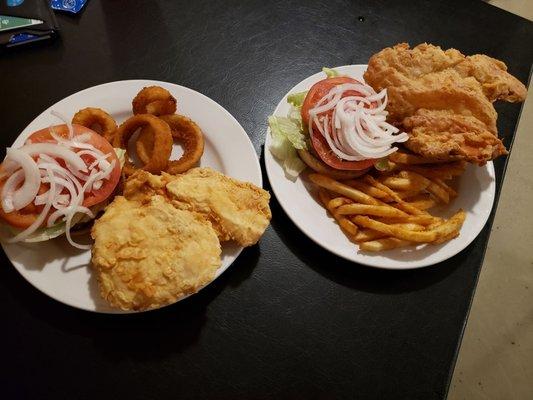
154, 100
162, 138
186, 132
97, 120
154, 114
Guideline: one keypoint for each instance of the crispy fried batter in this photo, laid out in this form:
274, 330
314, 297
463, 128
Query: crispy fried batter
238, 210
443, 99
161, 240
147, 255
447, 135
496, 82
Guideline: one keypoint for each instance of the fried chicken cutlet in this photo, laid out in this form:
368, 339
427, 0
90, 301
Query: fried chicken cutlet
237, 210
160, 241
150, 254
443, 99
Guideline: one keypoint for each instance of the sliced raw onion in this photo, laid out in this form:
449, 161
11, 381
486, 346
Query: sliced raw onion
357, 129
32, 178
67, 122
52, 149
40, 219
11, 184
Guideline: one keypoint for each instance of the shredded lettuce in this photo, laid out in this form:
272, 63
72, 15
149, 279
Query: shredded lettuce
289, 129
121, 155
330, 72
43, 234
296, 99
383, 165
287, 136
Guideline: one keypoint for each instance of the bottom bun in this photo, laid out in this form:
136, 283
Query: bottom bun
322, 168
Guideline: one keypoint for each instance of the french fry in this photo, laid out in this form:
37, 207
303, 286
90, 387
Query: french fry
401, 204
405, 183
370, 190
400, 233
384, 244
337, 202
425, 220
343, 189
365, 235
443, 171
432, 187
445, 186
411, 226
404, 158
348, 226
423, 201
389, 211
408, 194
450, 228
439, 192
365, 209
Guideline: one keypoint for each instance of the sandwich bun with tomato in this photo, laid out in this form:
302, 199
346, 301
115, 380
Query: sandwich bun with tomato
319, 157
337, 128
60, 178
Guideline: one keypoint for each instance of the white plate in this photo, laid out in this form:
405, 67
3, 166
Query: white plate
476, 197
63, 272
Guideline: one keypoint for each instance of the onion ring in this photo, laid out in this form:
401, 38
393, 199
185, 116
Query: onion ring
161, 136
90, 116
154, 100
186, 132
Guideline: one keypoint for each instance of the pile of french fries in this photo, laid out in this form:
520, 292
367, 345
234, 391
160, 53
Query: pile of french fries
387, 210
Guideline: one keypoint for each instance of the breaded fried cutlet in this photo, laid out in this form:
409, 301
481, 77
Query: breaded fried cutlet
237, 210
443, 99
150, 254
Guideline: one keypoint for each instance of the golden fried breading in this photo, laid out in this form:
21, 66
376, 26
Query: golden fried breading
238, 210
399, 65
142, 185
429, 79
150, 254
496, 82
447, 135
444, 90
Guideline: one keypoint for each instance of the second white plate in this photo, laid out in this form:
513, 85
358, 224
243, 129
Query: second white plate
476, 196
63, 272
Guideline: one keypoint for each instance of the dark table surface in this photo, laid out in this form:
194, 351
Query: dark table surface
288, 319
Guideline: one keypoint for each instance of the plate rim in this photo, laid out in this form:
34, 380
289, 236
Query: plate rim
219, 271
415, 264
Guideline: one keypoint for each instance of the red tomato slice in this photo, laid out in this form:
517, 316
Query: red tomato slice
25, 217
322, 148
317, 91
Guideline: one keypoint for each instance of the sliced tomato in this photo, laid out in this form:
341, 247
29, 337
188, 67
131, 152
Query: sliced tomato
318, 91
26, 216
329, 157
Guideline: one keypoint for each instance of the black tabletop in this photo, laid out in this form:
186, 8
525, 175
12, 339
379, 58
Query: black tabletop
288, 319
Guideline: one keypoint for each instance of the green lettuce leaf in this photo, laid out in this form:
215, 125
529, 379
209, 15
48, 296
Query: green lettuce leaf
296, 99
287, 136
289, 129
383, 165
121, 154
330, 72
